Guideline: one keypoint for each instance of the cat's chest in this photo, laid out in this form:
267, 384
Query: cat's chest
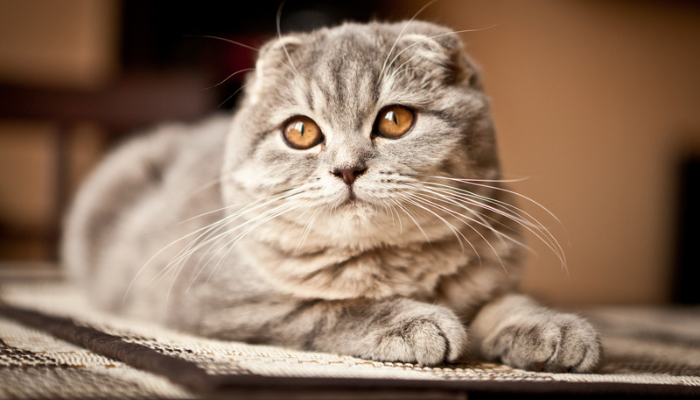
409, 271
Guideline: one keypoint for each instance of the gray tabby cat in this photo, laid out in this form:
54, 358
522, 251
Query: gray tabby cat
353, 204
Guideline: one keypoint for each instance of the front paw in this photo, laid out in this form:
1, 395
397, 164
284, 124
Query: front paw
426, 338
550, 342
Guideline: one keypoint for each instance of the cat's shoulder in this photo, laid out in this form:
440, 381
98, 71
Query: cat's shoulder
211, 129
146, 157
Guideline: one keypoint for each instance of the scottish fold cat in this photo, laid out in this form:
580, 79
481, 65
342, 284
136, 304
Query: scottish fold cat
353, 203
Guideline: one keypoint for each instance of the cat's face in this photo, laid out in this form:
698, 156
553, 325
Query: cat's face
347, 122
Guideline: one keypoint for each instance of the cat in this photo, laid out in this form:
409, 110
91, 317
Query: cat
353, 203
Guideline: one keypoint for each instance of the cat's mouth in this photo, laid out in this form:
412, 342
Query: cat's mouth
352, 198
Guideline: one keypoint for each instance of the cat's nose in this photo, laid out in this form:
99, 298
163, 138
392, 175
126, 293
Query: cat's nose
348, 175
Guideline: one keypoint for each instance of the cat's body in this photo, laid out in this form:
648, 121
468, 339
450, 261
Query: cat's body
352, 205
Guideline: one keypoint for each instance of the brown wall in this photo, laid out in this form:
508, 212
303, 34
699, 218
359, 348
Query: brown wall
67, 45
593, 101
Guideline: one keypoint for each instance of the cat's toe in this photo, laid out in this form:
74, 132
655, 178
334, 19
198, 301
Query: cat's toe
550, 342
426, 341
579, 347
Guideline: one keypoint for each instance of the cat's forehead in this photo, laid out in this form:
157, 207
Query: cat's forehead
351, 66
350, 71
337, 51
375, 35
343, 67
354, 44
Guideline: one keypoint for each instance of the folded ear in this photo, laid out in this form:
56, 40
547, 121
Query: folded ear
274, 61
443, 51
277, 52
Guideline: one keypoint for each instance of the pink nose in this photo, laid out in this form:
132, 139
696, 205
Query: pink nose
348, 175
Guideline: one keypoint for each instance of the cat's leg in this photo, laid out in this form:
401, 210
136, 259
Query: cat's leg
518, 332
387, 330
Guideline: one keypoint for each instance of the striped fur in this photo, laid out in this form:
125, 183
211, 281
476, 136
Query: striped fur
223, 229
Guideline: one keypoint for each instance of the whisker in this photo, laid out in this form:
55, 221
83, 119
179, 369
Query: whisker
264, 217
390, 209
381, 72
481, 183
516, 214
480, 219
225, 40
307, 228
402, 208
532, 225
425, 39
455, 231
203, 236
229, 77
465, 180
425, 71
247, 207
231, 96
279, 37
232, 243
516, 211
222, 223
460, 217
398, 70
456, 195
393, 211
257, 221
176, 264
471, 197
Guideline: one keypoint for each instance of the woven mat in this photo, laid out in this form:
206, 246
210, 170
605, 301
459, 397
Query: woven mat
54, 345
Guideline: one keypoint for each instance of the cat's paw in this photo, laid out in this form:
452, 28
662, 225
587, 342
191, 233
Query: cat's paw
549, 342
427, 339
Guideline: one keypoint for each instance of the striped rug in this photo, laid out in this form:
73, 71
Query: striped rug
54, 345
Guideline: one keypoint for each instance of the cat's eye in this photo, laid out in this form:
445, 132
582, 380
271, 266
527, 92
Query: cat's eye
394, 121
302, 133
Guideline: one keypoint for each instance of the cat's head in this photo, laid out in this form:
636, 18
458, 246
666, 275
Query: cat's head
348, 122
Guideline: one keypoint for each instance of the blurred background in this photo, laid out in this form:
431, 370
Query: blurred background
596, 103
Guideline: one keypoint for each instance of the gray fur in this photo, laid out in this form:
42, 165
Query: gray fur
224, 230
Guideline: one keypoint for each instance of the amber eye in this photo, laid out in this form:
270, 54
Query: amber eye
394, 121
302, 133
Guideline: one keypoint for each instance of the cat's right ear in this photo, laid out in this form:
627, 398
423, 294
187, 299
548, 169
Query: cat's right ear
275, 56
278, 53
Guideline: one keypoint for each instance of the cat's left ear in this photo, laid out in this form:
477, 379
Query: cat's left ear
447, 51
